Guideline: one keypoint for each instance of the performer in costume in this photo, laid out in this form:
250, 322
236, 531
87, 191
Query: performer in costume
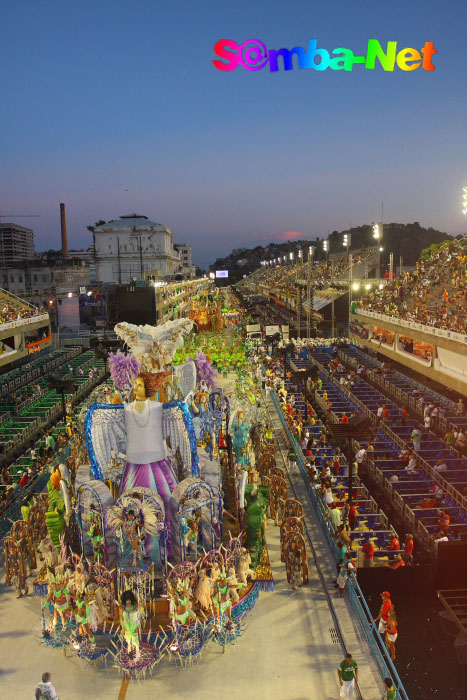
130, 620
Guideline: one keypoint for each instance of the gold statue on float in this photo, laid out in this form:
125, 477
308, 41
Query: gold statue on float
206, 312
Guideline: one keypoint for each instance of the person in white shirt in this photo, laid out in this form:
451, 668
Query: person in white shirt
360, 456
427, 422
411, 468
440, 466
45, 690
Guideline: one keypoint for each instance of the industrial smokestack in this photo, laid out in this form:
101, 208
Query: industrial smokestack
63, 227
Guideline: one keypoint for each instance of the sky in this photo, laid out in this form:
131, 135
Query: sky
116, 107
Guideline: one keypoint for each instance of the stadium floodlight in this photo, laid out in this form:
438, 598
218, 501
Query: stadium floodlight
355, 286
368, 286
300, 253
376, 232
464, 203
381, 249
381, 286
291, 255
325, 245
346, 238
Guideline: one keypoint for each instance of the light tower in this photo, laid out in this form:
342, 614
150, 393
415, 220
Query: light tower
464, 201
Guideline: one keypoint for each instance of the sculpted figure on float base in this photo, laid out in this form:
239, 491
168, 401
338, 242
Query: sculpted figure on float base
147, 464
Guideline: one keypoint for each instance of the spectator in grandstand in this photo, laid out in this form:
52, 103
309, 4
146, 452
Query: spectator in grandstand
460, 410
383, 615
393, 479
441, 537
460, 441
6, 476
368, 550
411, 467
379, 413
440, 466
416, 436
404, 415
449, 438
344, 419
353, 518
360, 456
24, 479
408, 548
427, 422
345, 570
335, 516
444, 521
396, 563
395, 544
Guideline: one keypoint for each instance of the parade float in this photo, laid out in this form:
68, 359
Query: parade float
150, 540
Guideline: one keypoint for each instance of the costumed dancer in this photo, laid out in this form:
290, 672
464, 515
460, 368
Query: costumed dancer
85, 616
130, 620
241, 436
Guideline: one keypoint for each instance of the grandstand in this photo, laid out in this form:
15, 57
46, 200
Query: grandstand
414, 495
24, 328
419, 319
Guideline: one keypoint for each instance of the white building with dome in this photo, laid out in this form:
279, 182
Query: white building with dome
134, 247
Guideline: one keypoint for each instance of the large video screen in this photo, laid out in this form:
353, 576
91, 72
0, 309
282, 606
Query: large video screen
222, 273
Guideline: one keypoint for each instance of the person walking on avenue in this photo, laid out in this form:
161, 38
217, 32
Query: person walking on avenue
348, 674
391, 691
45, 690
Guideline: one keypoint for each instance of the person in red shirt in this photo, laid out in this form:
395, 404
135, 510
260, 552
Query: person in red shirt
383, 615
404, 415
336, 467
385, 413
408, 549
24, 480
368, 550
397, 563
395, 544
444, 521
352, 516
344, 419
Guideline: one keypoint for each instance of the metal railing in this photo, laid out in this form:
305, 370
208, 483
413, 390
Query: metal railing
375, 641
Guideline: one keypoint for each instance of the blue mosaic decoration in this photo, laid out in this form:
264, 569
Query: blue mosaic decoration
191, 433
95, 468
246, 604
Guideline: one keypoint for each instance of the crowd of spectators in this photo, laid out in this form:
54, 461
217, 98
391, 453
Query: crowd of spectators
433, 293
10, 312
321, 274
13, 484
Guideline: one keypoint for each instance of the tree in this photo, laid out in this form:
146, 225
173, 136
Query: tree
101, 222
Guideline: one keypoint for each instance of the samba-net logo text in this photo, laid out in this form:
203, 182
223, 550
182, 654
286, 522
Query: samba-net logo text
253, 55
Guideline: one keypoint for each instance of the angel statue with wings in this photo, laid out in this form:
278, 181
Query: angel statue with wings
143, 428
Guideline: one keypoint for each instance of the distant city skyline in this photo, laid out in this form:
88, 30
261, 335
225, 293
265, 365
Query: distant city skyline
121, 110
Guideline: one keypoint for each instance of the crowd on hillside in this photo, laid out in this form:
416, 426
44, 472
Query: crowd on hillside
434, 293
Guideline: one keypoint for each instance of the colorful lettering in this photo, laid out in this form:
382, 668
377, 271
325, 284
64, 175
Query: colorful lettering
253, 55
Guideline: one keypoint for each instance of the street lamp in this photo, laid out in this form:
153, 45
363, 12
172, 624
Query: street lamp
378, 236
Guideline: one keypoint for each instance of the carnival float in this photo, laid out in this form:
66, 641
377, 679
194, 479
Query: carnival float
150, 541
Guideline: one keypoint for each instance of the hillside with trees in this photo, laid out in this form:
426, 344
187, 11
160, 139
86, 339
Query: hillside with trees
406, 240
